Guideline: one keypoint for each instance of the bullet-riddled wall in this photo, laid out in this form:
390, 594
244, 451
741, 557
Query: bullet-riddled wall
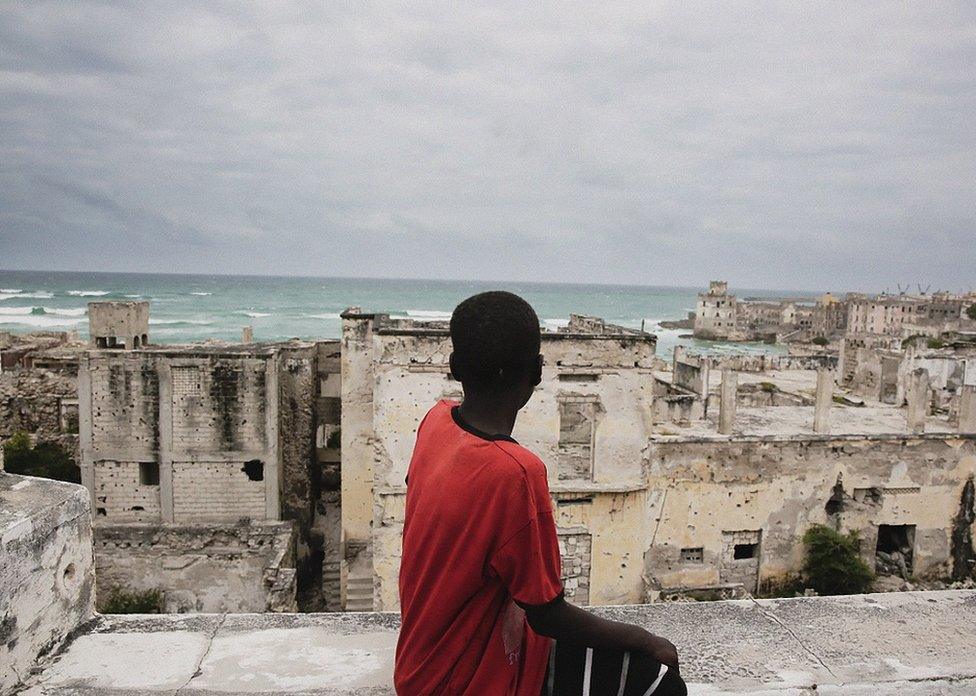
732, 510
197, 436
589, 422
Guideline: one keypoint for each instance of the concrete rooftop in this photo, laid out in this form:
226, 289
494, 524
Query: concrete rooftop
901, 643
872, 419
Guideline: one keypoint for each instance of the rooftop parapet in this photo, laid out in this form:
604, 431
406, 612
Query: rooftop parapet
718, 287
579, 327
879, 644
47, 578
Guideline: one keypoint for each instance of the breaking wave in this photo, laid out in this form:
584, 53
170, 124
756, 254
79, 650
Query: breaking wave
87, 293
42, 295
180, 322
39, 320
201, 294
428, 315
334, 315
255, 315
41, 311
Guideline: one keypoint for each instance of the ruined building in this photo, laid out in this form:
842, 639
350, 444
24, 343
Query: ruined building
264, 476
720, 316
39, 388
588, 420
693, 478
202, 466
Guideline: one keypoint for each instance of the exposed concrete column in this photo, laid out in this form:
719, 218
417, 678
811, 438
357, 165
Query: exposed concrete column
824, 400
967, 409
273, 469
726, 407
918, 400
358, 453
704, 368
247, 334
164, 421
85, 427
676, 355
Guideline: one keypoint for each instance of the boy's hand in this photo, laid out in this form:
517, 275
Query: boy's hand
662, 650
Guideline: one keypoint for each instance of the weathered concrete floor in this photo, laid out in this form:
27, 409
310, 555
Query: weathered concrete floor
900, 643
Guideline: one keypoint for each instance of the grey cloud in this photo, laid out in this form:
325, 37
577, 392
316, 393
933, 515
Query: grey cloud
776, 145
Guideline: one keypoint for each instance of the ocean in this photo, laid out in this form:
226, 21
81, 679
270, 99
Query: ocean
189, 308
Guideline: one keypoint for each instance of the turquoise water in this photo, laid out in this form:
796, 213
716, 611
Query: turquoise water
187, 308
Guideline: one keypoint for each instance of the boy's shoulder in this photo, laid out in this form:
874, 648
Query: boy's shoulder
527, 461
522, 460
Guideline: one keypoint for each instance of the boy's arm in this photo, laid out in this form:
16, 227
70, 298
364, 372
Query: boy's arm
561, 620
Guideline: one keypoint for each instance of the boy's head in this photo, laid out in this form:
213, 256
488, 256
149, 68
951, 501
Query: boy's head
496, 341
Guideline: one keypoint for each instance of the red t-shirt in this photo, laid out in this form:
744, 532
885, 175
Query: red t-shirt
478, 535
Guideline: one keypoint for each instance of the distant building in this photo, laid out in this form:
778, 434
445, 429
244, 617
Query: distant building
715, 316
723, 317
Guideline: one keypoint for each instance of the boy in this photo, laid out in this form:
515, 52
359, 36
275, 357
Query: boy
482, 605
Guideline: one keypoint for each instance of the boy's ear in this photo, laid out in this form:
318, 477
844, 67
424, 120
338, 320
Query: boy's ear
537, 375
454, 373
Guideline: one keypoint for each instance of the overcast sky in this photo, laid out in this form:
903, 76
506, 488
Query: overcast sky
795, 145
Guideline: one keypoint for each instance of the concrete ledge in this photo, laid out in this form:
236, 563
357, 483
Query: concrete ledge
47, 575
901, 643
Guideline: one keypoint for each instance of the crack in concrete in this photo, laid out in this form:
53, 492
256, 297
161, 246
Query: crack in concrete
20, 680
770, 615
196, 669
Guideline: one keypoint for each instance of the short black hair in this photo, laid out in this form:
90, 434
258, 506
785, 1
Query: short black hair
496, 339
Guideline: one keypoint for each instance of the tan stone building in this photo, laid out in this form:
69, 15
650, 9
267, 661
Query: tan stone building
589, 421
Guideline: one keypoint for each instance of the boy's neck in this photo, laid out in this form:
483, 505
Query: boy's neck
490, 413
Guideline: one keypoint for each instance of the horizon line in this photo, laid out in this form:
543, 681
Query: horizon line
694, 288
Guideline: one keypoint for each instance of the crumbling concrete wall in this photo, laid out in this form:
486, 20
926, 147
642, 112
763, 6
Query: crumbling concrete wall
690, 372
767, 362
204, 423
42, 402
201, 436
242, 568
702, 489
948, 373
297, 395
47, 579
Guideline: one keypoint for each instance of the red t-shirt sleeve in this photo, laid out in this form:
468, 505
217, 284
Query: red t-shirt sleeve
528, 561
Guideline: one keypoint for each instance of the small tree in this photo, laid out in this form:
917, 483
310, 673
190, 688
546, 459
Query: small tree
820, 341
971, 312
833, 565
45, 459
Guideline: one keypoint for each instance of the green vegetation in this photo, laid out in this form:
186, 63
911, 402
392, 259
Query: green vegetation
911, 340
120, 601
767, 387
334, 440
820, 341
935, 343
833, 565
789, 585
971, 312
45, 459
